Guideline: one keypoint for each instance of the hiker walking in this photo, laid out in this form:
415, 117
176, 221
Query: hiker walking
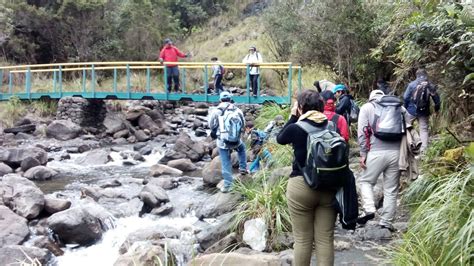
417, 102
380, 129
323, 85
228, 122
217, 74
170, 53
343, 106
330, 113
310, 193
253, 58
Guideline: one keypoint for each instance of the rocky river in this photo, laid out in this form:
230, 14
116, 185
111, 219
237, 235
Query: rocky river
138, 189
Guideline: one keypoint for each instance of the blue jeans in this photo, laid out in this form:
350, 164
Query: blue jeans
227, 164
172, 75
218, 84
265, 155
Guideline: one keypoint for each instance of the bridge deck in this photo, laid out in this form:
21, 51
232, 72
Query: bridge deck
18, 81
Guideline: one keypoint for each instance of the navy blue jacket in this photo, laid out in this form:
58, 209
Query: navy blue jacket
409, 102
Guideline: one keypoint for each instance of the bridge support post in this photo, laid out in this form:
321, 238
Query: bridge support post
248, 82
60, 82
290, 82
165, 76
148, 80
93, 81
10, 82
206, 83
128, 81
115, 80
299, 80
28, 83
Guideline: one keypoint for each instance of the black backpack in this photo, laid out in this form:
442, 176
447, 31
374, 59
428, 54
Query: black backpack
327, 159
421, 97
389, 122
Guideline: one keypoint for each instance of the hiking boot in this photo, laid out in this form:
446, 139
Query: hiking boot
226, 189
365, 218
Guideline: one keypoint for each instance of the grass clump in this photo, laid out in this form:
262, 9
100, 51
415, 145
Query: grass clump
268, 113
12, 110
264, 199
442, 223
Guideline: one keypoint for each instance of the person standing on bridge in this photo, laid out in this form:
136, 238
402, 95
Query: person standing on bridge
170, 53
253, 58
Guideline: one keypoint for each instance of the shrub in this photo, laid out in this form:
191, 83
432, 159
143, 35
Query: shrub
12, 110
266, 200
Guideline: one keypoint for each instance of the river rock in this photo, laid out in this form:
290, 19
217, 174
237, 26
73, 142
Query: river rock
95, 157
113, 123
217, 204
141, 136
147, 150
149, 233
44, 242
161, 169
63, 130
22, 255
373, 231
81, 225
143, 253
14, 156
166, 183
146, 122
153, 195
184, 165
213, 232
23, 121
128, 208
255, 234
5, 169
222, 245
28, 163
13, 228
121, 134
53, 205
212, 172
40, 173
263, 259
185, 147
162, 210
133, 113
21, 129
22, 196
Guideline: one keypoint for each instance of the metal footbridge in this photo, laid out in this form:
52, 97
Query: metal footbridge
137, 80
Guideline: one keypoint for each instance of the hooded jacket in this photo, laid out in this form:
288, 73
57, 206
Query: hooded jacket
171, 54
344, 105
330, 112
297, 137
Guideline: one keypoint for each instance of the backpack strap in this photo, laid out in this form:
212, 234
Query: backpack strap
307, 127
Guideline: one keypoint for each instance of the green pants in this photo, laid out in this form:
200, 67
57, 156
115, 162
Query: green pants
313, 219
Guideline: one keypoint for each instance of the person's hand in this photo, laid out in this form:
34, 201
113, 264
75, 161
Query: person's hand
294, 109
188, 54
161, 60
362, 162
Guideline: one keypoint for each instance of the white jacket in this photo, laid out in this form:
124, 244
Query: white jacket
254, 58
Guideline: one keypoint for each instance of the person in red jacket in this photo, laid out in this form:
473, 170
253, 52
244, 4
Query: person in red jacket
170, 53
330, 112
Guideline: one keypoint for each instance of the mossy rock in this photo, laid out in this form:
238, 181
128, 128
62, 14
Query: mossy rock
454, 155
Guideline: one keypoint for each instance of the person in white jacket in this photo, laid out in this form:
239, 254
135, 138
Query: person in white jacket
253, 58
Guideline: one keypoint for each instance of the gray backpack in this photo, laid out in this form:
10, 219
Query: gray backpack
389, 122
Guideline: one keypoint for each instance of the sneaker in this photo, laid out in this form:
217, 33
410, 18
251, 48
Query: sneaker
365, 218
389, 227
226, 189
243, 171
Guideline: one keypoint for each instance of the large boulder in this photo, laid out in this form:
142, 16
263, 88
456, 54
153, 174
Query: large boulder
153, 195
146, 122
184, 165
161, 169
134, 112
22, 255
53, 205
222, 245
212, 172
28, 163
95, 157
22, 196
143, 253
149, 233
15, 156
13, 228
218, 204
63, 130
237, 259
5, 169
82, 225
113, 123
140, 135
185, 147
40, 173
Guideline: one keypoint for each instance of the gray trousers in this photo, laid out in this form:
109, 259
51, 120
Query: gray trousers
424, 129
386, 163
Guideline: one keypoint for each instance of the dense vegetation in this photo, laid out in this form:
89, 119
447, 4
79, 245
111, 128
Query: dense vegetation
362, 41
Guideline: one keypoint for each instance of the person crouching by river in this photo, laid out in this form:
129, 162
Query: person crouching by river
312, 215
